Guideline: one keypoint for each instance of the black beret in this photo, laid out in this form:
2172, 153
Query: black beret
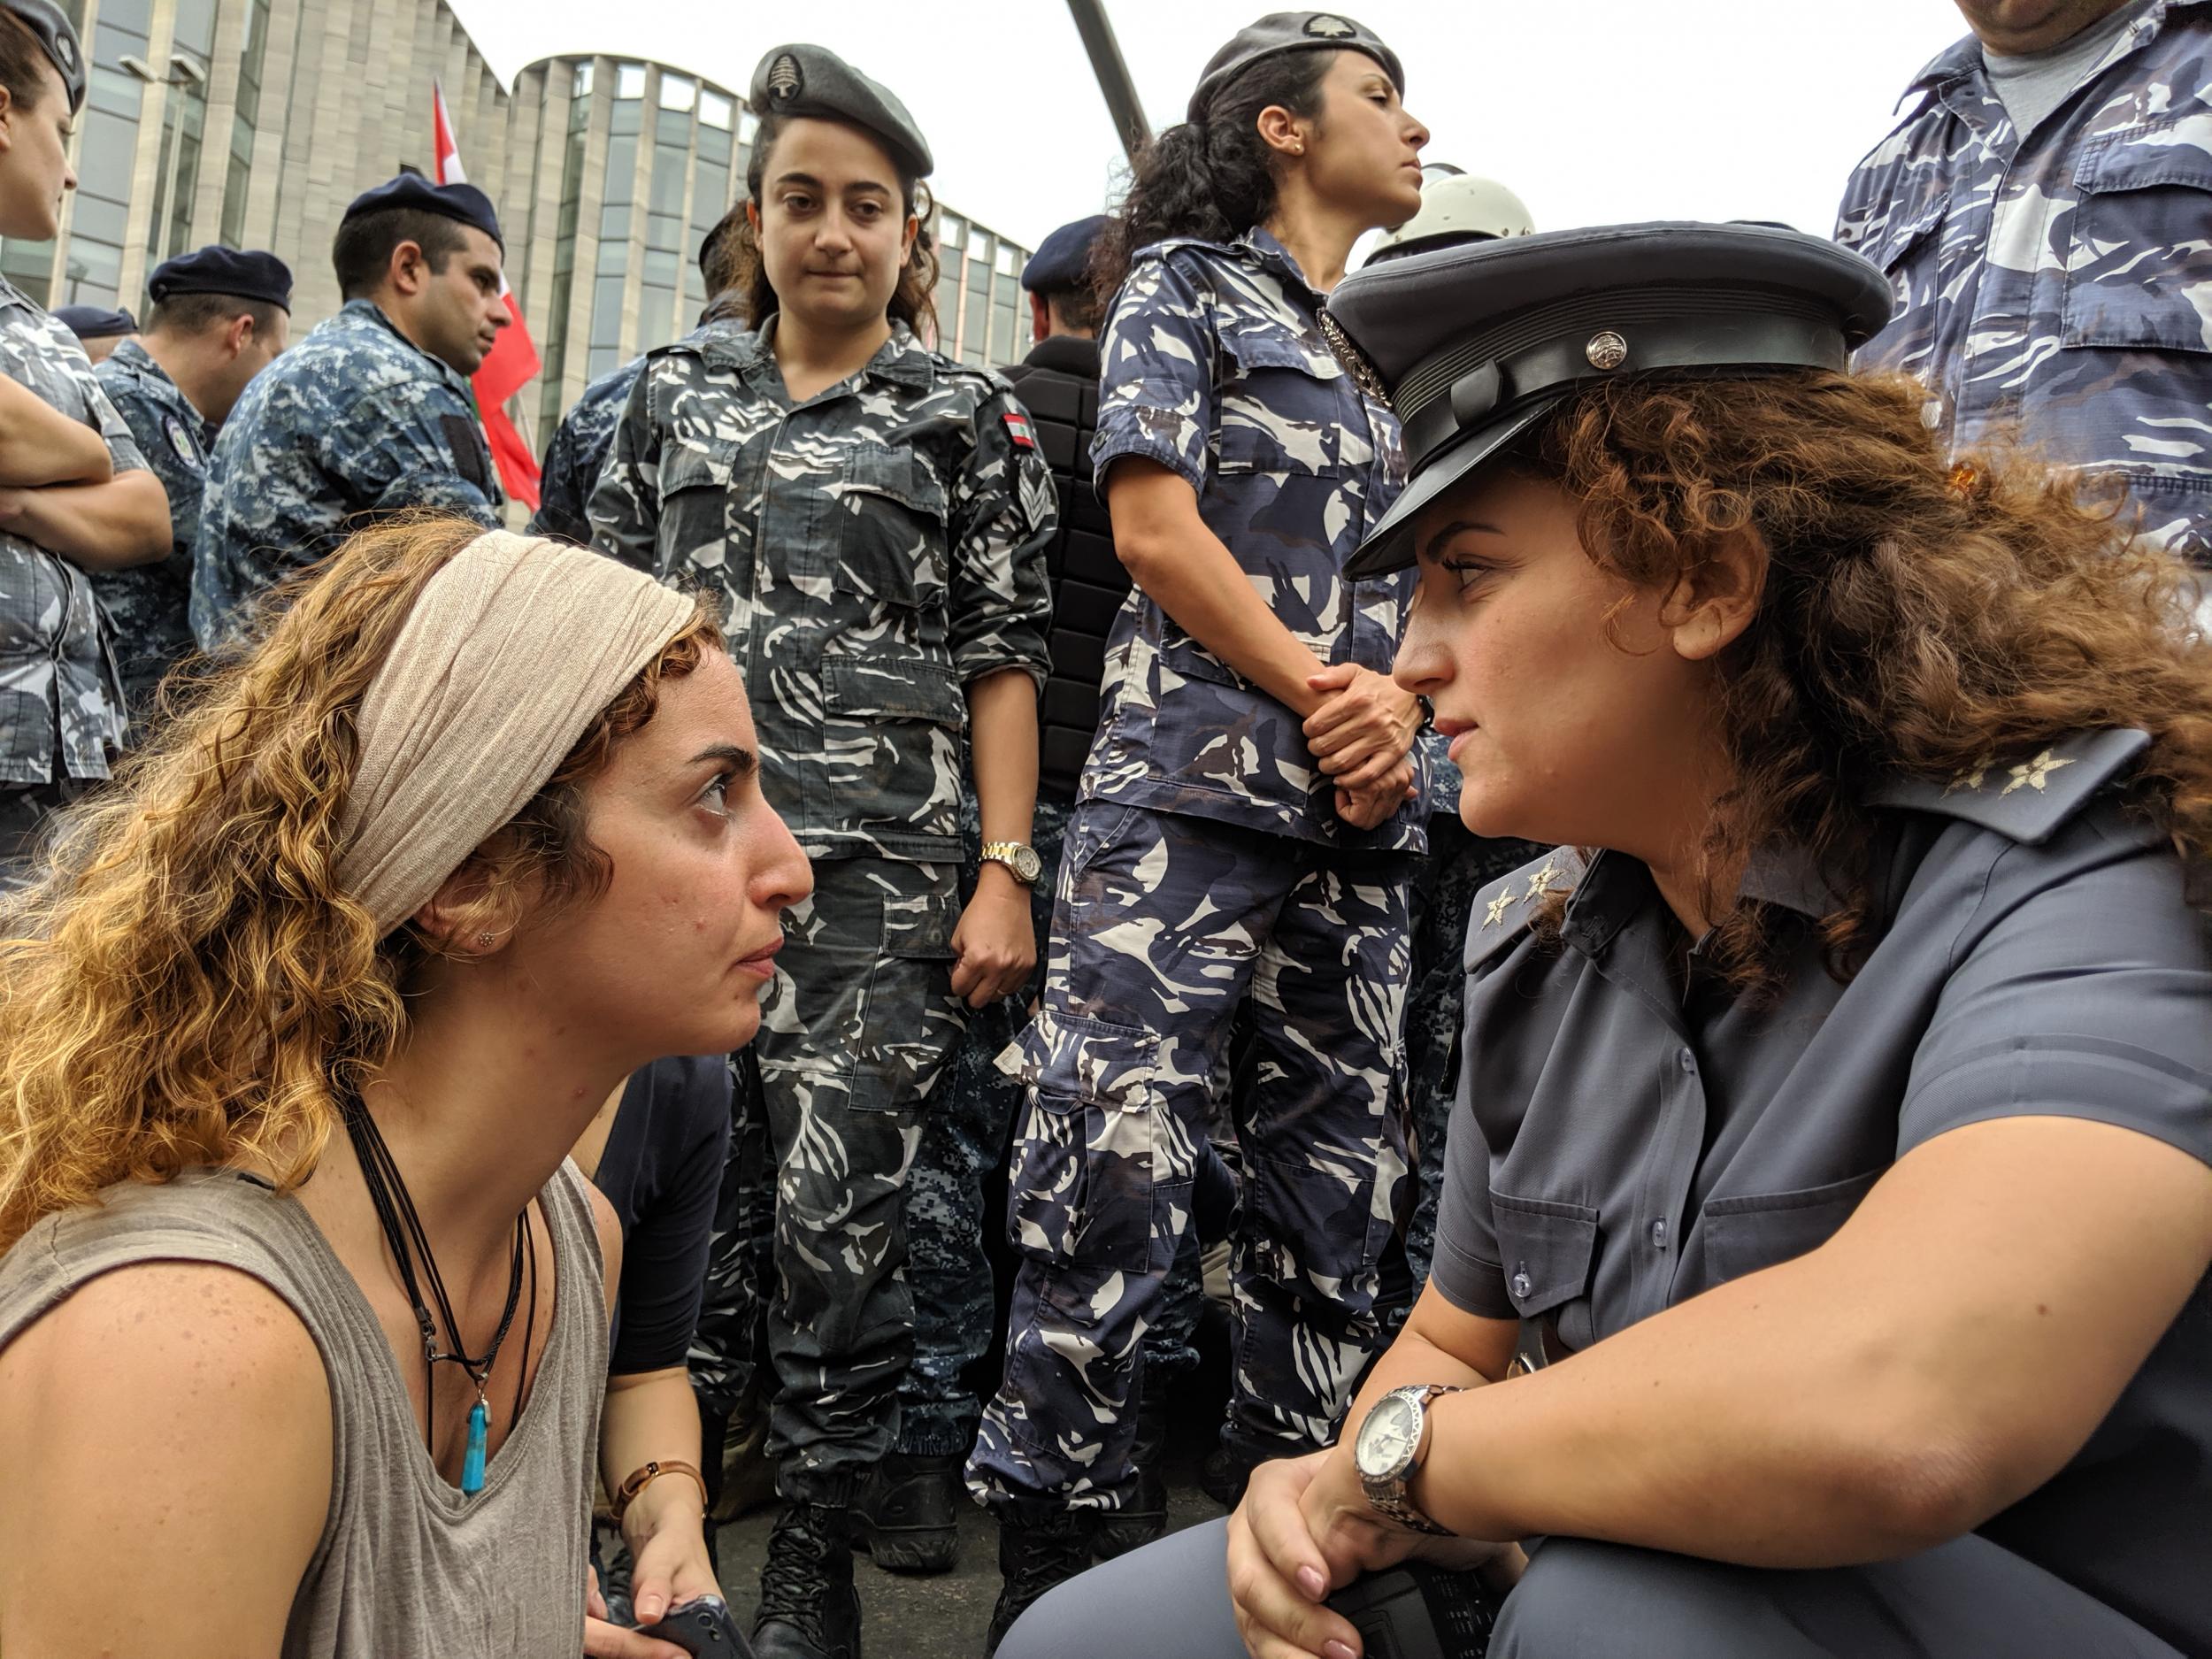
1475, 344
1063, 257
213, 270
58, 36
96, 322
815, 81
1290, 32
462, 202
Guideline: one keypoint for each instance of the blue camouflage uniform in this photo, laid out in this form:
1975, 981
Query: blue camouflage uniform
61, 705
578, 449
2056, 285
880, 546
1205, 861
354, 421
149, 606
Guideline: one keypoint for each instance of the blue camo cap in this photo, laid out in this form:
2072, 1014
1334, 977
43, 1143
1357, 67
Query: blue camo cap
462, 202
1063, 257
95, 322
1281, 32
1473, 345
57, 39
802, 79
241, 273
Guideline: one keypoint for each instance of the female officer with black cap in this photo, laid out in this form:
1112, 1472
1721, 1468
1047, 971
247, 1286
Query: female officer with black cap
877, 516
75, 496
1823, 1265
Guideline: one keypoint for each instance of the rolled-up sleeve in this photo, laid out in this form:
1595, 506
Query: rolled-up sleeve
1004, 512
1155, 393
124, 455
1465, 1270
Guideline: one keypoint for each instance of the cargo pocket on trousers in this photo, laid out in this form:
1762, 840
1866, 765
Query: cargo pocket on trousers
912, 1019
1082, 1186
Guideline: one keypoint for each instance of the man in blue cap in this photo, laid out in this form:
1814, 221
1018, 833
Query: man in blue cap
371, 413
220, 317
99, 329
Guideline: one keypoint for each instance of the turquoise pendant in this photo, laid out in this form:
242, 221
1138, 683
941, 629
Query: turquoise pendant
472, 1463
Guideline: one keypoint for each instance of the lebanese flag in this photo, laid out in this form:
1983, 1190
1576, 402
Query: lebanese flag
513, 359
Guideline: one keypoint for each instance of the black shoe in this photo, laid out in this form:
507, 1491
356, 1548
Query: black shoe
808, 1606
908, 1514
1143, 1513
1034, 1556
1224, 1476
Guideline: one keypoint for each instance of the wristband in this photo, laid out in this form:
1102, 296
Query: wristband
644, 1476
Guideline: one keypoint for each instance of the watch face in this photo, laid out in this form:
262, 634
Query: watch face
1389, 1437
1028, 865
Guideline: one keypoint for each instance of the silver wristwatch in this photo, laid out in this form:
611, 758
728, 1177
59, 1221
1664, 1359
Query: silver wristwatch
1022, 860
1387, 1451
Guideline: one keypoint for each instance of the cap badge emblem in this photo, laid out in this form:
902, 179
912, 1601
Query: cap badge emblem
1324, 27
67, 53
1354, 360
784, 79
1606, 349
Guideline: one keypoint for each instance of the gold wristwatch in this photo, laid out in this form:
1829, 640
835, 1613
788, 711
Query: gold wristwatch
1022, 860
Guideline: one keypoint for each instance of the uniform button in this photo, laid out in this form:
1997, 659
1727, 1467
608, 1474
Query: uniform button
1688, 1060
1522, 1283
1659, 1234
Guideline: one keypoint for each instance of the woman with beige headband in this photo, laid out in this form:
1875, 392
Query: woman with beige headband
303, 1312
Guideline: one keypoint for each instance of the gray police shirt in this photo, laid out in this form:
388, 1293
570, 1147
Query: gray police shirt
1622, 1143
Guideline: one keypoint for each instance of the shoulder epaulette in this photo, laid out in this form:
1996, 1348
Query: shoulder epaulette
2025, 797
1504, 909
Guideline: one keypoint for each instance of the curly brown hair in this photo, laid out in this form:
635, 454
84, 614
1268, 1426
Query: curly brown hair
185, 984
1921, 614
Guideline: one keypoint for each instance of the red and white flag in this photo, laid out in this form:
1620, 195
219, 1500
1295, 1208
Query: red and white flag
513, 359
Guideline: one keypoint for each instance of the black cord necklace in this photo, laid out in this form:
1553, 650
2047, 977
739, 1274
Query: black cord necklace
403, 1234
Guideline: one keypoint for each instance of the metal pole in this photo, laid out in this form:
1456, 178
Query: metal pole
1113, 74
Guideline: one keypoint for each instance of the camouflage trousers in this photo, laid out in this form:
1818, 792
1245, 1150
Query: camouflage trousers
965, 1134
1163, 924
854, 1029
729, 1350
24, 809
1458, 865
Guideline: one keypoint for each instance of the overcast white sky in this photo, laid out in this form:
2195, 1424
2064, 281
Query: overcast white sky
1595, 110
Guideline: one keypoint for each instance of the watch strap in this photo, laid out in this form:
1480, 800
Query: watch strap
1392, 1498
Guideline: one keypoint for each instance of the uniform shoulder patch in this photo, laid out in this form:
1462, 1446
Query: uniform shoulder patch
1504, 909
2029, 796
1019, 429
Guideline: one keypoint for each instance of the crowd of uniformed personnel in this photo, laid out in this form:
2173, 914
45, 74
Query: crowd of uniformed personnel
1142, 889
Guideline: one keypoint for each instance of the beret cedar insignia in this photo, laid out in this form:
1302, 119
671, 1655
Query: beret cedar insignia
1324, 27
785, 82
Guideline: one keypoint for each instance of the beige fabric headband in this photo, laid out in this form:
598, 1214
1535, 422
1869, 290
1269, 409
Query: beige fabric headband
508, 653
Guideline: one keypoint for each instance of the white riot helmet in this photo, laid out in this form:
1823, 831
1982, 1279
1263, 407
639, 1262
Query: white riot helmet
1456, 207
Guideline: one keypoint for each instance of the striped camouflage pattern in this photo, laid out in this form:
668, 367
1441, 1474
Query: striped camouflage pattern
149, 606
576, 453
2058, 286
1214, 366
60, 707
353, 422
880, 546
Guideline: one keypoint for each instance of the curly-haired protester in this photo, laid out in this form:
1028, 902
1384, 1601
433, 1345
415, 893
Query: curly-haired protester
1822, 1266
303, 1313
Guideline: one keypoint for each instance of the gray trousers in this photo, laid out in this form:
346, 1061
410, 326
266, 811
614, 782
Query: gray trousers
1964, 1600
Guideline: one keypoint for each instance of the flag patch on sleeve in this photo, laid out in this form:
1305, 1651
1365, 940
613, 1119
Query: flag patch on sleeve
1018, 429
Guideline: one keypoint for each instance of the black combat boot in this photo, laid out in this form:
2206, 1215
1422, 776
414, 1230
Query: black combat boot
1224, 1476
1034, 1554
1143, 1513
908, 1515
809, 1608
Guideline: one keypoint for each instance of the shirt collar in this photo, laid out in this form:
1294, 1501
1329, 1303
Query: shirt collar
369, 314
901, 359
1259, 244
1617, 888
1069, 354
1963, 58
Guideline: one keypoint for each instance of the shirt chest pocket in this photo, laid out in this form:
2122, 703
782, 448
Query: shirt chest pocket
694, 509
1282, 411
2138, 273
1745, 1235
890, 530
1548, 1248
1908, 248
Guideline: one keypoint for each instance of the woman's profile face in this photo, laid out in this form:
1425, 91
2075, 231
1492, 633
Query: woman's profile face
672, 957
1571, 714
1366, 154
34, 169
832, 223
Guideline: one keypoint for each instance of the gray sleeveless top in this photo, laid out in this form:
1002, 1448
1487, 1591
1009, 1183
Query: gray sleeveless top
406, 1565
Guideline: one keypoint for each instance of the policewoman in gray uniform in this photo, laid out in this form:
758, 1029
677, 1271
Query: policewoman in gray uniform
877, 517
1821, 1267
75, 496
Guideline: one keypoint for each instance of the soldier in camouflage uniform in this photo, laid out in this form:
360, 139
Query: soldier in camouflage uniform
876, 516
74, 494
371, 413
1215, 850
220, 317
2040, 210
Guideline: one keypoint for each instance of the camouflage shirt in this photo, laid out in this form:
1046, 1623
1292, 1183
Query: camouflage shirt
578, 450
879, 546
1214, 365
2057, 285
58, 697
353, 420
147, 606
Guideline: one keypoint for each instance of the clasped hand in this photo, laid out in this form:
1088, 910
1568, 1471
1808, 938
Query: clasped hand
1362, 736
995, 945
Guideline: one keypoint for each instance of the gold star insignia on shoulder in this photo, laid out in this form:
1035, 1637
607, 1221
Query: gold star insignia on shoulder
2033, 774
1498, 908
1971, 779
1542, 878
